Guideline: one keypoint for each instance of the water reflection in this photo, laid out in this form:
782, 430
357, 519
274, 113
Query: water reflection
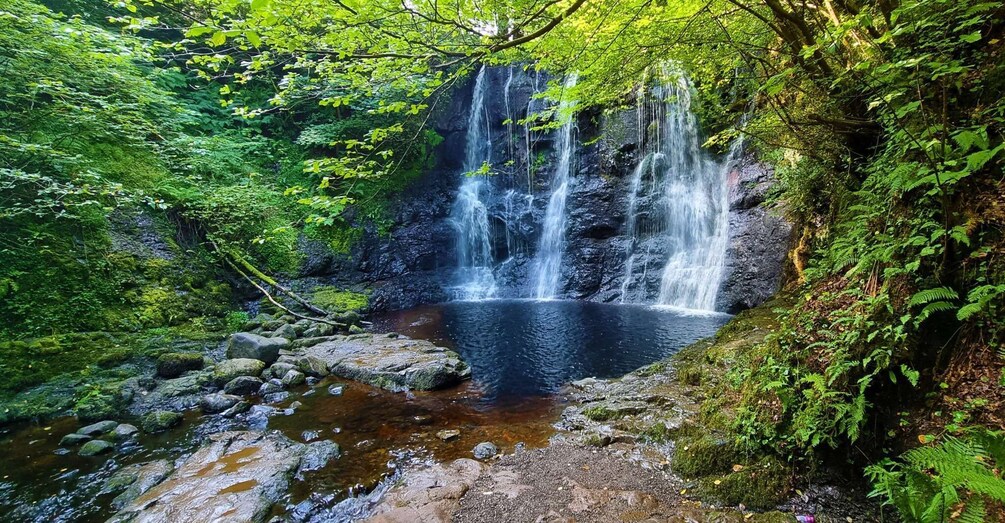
519, 348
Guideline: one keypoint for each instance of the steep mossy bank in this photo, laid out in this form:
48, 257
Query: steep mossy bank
82, 374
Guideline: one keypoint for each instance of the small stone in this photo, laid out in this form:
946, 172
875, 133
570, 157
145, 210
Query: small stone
296, 405
422, 419
243, 385
336, 389
448, 435
95, 447
238, 408
293, 378
270, 387
124, 432
72, 440
485, 450
160, 420
98, 429
356, 329
280, 368
276, 397
218, 402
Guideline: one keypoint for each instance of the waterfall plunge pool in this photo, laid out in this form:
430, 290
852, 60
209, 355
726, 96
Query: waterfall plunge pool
525, 348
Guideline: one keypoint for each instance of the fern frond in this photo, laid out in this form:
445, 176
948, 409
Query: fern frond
934, 294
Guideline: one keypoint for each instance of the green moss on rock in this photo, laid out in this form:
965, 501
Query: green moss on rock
337, 300
703, 455
599, 413
159, 421
760, 485
174, 364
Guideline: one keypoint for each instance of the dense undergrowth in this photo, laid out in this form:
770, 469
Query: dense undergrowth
120, 173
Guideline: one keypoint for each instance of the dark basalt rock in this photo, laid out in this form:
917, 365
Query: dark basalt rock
416, 262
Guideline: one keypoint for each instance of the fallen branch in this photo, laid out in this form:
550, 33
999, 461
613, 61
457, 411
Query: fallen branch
285, 290
276, 303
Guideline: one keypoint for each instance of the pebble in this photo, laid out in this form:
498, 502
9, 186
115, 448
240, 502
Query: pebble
448, 435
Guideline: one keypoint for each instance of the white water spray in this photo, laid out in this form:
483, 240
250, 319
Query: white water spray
678, 204
549, 256
469, 216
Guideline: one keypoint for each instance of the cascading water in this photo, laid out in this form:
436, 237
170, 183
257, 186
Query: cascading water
549, 256
469, 216
678, 208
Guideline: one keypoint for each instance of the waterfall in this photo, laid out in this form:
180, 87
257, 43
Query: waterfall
549, 255
469, 216
678, 207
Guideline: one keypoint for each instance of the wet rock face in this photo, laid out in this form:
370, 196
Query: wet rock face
235, 477
391, 363
432, 494
759, 240
416, 262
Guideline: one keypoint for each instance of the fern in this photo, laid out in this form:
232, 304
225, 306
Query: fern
932, 295
929, 484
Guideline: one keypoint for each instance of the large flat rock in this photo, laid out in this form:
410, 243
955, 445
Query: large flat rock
235, 477
392, 363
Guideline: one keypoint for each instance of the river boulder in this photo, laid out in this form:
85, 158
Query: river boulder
253, 346
235, 477
230, 369
391, 363
243, 385
174, 364
218, 402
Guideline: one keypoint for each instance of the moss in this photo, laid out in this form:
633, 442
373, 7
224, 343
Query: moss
691, 376
595, 440
760, 485
599, 413
159, 421
99, 402
336, 300
651, 370
236, 321
174, 364
703, 455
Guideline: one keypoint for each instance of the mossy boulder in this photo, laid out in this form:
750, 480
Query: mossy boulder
243, 385
174, 364
99, 402
762, 484
160, 420
229, 369
95, 447
703, 455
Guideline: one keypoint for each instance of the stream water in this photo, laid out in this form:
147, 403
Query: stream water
521, 354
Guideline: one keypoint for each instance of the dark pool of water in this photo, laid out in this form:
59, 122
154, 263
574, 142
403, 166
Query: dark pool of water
520, 348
